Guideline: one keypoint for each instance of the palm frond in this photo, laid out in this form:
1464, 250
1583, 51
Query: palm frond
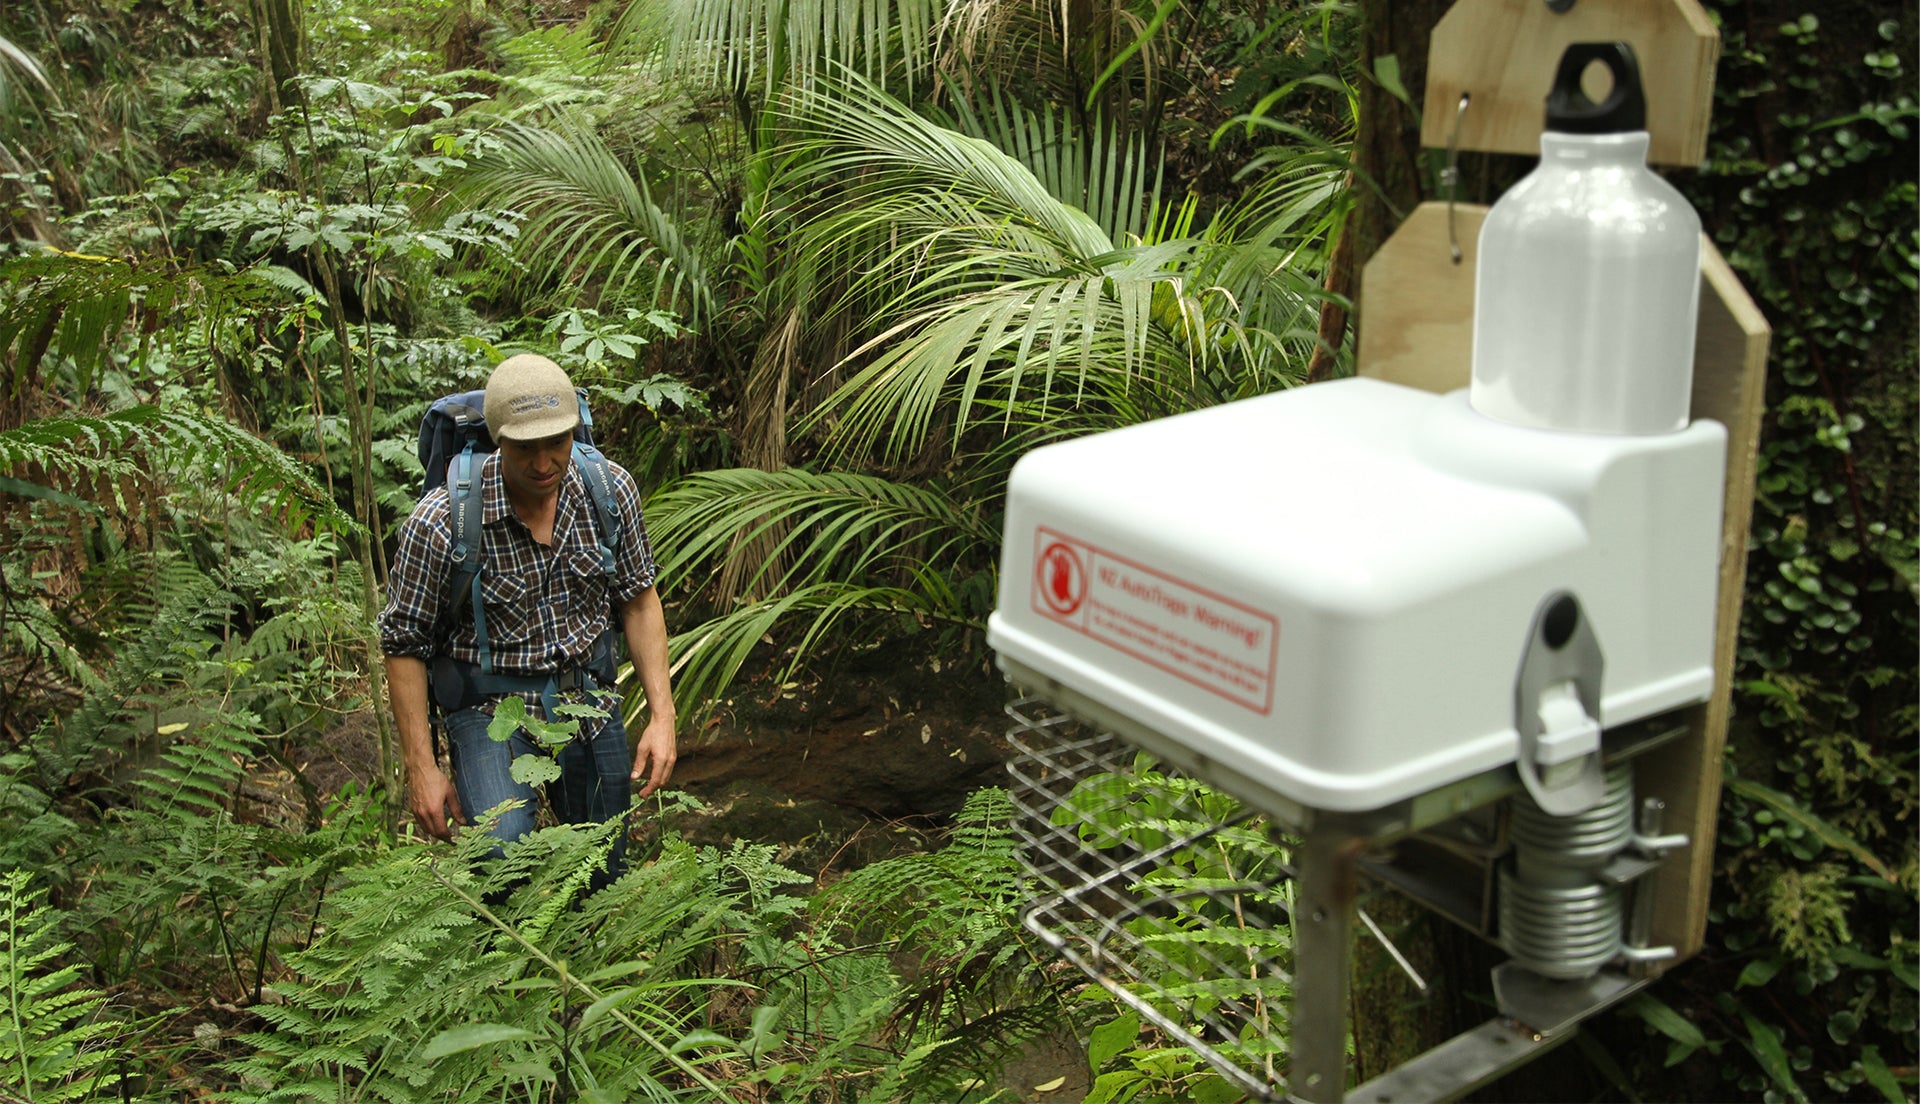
741, 44
1034, 347
590, 220
15, 59
827, 526
854, 130
843, 548
1114, 177
795, 623
984, 288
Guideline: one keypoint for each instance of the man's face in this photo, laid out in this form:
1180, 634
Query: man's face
535, 468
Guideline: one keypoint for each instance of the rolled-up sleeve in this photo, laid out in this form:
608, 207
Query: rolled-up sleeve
416, 582
634, 568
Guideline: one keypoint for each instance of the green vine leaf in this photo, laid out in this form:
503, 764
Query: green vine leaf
1795, 813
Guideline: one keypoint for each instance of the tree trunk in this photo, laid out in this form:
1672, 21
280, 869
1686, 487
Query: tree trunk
1387, 142
1386, 154
281, 25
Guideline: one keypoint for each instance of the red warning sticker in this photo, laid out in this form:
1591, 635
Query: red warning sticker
1205, 638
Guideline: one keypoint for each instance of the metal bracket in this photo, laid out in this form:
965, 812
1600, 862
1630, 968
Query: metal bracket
1561, 652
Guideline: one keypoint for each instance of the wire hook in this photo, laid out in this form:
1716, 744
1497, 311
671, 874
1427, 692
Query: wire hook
1450, 176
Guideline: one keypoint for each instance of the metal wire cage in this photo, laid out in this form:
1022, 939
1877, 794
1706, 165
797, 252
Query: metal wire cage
1170, 894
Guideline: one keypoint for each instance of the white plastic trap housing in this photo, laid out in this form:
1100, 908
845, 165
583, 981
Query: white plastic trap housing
1322, 596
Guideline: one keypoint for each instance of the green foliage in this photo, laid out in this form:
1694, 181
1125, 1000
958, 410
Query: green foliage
1213, 950
57, 1044
1810, 194
953, 903
550, 735
589, 221
697, 976
184, 604
898, 271
845, 555
106, 457
418, 990
1158, 1075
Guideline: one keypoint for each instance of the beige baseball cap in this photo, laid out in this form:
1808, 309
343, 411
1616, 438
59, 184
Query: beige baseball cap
530, 397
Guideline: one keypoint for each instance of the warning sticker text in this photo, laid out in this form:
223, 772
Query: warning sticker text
1207, 639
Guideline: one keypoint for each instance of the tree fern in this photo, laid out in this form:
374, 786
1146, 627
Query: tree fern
55, 1044
100, 458
79, 306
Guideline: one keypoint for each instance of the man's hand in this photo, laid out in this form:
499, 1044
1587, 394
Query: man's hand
436, 804
654, 755
645, 625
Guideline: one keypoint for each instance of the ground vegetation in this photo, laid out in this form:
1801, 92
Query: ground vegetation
826, 269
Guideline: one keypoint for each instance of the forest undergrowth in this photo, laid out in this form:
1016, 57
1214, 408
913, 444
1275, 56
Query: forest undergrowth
826, 271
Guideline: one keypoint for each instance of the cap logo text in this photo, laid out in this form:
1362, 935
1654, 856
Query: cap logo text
528, 404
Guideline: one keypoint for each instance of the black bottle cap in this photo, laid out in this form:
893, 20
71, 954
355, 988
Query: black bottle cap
1571, 111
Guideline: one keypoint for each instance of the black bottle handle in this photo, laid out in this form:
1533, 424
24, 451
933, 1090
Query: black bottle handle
1571, 111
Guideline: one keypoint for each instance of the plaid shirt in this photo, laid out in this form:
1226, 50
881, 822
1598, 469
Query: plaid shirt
546, 605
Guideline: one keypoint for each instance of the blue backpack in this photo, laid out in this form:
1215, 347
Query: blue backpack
453, 443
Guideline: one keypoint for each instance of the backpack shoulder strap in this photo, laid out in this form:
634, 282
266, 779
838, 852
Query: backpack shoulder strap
464, 501
597, 474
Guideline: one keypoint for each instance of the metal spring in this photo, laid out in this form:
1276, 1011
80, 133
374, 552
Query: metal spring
1556, 918
1560, 933
1588, 839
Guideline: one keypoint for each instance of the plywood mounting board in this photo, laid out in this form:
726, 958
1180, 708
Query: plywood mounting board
1504, 54
1729, 386
1416, 304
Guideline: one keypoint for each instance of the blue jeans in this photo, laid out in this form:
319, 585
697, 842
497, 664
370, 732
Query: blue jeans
593, 787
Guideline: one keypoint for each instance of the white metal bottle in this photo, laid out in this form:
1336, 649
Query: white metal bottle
1588, 282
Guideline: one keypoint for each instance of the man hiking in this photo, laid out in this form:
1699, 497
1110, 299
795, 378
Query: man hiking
538, 619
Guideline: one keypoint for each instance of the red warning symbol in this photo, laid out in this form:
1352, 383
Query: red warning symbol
1062, 578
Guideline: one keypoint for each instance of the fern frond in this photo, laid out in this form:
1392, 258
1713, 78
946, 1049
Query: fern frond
974, 1049
201, 769
32, 829
97, 458
409, 954
156, 655
54, 1043
77, 306
290, 283
956, 908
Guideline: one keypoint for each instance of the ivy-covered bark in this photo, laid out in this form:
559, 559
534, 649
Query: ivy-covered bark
1810, 194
